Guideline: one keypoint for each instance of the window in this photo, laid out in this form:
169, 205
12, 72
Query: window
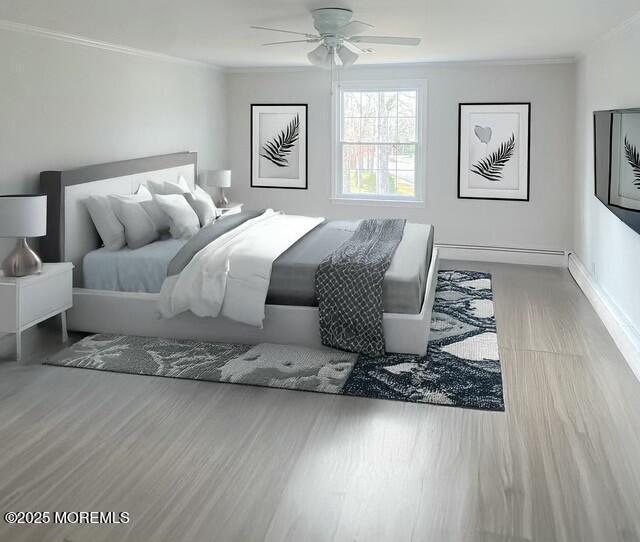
379, 154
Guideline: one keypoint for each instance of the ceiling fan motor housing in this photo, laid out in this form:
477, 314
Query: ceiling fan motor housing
329, 20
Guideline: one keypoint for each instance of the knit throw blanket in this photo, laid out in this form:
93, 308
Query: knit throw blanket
349, 287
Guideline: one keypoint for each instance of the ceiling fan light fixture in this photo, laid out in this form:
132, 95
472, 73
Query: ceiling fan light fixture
319, 56
339, 36
347, 57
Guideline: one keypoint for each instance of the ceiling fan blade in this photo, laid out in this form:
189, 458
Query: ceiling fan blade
354, 48
284, 31
385, 40
315, 40
353, 28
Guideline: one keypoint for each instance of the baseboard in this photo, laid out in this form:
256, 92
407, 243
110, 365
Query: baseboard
526, 256
624, 333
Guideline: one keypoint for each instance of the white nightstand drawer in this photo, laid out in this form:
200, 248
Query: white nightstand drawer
8, 322
49, 295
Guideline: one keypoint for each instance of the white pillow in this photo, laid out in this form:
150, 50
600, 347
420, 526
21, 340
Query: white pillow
156, 187
167, 187
109, 228
184, 222
203, 205
141, 195
182, 185
183, 182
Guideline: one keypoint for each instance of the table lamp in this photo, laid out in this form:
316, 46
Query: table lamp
22, 216
221, 179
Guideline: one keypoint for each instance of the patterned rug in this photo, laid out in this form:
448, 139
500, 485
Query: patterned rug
461, 368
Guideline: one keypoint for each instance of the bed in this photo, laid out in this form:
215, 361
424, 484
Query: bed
117, 291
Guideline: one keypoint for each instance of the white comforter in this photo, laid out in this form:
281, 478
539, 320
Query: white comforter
230, 276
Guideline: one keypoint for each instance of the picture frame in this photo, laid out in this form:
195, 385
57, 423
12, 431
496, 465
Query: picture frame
624, 160
279, 146
494, 142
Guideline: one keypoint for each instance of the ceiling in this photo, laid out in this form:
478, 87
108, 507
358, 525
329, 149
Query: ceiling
217, 31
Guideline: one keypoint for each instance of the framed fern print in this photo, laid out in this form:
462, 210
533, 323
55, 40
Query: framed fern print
624, 175
493, 151
279, 146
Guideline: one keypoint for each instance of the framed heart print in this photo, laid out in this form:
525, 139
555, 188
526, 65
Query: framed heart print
493, 151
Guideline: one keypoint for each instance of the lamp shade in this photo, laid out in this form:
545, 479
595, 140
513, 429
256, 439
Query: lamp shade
218, 177
23, 215
319, 56
347, 57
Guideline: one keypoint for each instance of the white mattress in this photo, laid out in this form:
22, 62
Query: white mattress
141, 270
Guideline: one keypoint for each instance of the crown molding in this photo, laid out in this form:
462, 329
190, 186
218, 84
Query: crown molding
617, 30
96, 44
409, 65
132, 51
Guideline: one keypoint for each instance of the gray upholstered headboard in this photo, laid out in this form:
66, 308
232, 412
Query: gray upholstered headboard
70, 231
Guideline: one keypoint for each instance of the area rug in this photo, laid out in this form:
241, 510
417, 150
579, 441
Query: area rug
461, 367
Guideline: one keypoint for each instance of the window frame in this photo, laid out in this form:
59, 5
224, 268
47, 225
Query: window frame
337, 195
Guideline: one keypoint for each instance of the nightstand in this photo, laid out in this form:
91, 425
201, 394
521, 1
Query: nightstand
27, 301
231, 209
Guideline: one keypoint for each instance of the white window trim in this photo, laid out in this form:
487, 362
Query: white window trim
421, 146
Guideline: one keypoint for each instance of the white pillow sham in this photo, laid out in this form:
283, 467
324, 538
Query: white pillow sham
203, 205
168, 187
184, 222
109, 228
199, 199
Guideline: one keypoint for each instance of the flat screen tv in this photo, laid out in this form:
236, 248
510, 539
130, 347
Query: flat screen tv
617, 163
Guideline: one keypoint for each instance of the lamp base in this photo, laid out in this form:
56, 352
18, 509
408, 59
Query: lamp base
22, 261
222, 200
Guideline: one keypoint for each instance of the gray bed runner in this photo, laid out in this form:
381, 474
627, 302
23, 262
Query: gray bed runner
349, 287
293, 274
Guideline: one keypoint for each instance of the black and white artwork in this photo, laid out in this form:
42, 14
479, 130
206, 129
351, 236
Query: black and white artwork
624, 185
493, 151
279, 146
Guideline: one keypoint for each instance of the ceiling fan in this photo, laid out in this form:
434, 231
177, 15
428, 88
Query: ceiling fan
339, 37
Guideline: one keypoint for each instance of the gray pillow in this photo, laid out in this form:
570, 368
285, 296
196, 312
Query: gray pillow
139, 229
159, 217
205, 236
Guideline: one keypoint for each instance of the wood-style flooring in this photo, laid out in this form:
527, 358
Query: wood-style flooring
201, 461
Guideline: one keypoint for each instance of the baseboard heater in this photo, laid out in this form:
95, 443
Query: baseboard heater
531, 256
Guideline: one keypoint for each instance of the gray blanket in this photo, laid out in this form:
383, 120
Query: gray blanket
349, 287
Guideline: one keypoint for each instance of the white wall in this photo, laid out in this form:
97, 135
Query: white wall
607, 78
64, 105
543, 223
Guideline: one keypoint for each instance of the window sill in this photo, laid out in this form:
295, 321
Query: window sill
378, 202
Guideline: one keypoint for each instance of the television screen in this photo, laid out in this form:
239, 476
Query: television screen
617, 163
